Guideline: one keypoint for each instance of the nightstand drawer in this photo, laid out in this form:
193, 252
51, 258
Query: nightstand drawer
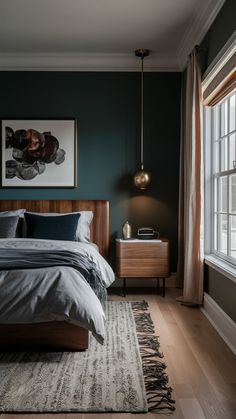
141, 268
141, 250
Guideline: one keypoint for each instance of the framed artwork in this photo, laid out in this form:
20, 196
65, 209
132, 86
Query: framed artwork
38, 153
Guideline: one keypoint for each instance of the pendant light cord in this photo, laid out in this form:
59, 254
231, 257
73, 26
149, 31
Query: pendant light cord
141, 140
142, 178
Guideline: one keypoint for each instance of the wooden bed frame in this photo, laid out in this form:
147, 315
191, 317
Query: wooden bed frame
55, 334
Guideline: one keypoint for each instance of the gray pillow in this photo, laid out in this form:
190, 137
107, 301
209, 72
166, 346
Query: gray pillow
8, 227
20, 213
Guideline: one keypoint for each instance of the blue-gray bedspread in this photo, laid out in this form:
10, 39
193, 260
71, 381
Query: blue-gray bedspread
13, 259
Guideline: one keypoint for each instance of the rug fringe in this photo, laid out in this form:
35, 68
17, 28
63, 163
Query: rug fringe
156, 380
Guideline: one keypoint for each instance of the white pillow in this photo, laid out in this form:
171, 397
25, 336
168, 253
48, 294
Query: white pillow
83, 229
19, 212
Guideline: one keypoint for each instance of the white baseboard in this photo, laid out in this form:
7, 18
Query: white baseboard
224, 325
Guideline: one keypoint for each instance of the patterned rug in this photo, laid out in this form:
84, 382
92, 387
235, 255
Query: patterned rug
124, 375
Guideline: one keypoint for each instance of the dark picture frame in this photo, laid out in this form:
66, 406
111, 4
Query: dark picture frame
38, 153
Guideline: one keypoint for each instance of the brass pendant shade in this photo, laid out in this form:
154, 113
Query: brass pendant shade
142, 178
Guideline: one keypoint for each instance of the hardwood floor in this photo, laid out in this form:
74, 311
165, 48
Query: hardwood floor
201, 368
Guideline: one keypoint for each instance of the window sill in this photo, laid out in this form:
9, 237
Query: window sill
222, 267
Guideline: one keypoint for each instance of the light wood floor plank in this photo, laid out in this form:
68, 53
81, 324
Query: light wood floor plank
217, 394
201, 368
191, 408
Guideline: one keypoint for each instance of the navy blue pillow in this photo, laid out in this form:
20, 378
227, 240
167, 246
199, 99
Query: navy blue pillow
63, 227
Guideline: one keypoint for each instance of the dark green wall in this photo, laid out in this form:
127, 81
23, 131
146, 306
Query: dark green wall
220, 31
219, 287
107, 106
222, 290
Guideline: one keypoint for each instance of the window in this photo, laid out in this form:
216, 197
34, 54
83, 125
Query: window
219, 134
222, 179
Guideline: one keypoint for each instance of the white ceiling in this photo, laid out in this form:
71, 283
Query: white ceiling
101, 34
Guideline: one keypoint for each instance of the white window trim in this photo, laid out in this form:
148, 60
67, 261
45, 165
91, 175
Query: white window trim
216, 262
208, 237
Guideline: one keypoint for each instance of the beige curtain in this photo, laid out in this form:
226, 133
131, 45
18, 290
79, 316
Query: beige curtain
190, 256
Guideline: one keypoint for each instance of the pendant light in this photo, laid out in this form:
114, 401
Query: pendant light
142, 178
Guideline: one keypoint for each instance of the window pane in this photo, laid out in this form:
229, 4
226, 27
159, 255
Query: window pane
233, 236
232, 113
215, 231
216, 183
224, 118
223, 229
223, 194
216, 157
216, 116
232, 150
224, 154
232, 193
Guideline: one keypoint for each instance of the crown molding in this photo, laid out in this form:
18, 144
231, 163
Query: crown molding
205, 14
85, 62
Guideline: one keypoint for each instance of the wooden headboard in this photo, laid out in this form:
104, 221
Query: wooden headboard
99, 229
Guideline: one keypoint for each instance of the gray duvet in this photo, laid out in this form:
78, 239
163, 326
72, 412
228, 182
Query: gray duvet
61, 292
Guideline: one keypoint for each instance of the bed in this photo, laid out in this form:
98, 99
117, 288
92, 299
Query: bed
66, 334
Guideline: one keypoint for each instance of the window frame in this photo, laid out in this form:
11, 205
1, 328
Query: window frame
212, 213
219, 69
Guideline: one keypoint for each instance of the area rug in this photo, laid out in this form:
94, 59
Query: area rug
124, 375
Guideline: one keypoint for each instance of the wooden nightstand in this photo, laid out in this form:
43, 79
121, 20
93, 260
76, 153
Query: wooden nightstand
142, 259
